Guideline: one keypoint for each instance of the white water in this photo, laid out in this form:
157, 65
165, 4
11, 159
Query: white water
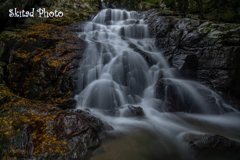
112, 75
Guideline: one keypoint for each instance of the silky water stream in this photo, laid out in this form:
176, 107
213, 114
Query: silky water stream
113, 75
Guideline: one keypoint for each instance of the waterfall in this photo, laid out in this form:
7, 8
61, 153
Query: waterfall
114, 73
121, 66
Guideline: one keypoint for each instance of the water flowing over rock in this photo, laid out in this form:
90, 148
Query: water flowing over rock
123, 67
114, 73
110, 65
200, 50
123, 85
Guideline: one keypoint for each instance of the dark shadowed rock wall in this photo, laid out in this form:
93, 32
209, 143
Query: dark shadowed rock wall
202, 50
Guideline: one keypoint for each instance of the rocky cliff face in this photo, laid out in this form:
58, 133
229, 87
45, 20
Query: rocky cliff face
206, 51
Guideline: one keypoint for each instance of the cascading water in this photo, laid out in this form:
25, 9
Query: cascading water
121, 67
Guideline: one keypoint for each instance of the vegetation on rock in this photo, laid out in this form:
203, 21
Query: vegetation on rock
223, 10
40, 65
27, 124
38, 61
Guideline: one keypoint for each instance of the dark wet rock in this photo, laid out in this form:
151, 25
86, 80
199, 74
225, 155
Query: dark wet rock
103, 126
205, 51
107, 127
206, 145
68, 125
144, 54
68, 104
167, 91
211, 141
77, 27
44, 65
136, 111
175, 98
167, 13
82, 131
9, 42
133, 111
79, 130
187, 64
130, 111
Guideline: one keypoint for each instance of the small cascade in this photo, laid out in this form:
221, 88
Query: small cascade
121, 67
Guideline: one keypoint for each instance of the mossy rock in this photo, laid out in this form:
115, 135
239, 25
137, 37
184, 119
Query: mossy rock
2, 48
27, 73
4, 99
6, 36
193, 16
69, 18
84, 5
7, 39
148, 4
5, 96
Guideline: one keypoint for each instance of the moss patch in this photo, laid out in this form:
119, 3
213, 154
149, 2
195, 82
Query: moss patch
21, 118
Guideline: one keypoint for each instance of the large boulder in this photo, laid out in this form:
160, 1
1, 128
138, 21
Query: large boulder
133, 111
42, 62
207, 146
35, 130
148, 4
80, 131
